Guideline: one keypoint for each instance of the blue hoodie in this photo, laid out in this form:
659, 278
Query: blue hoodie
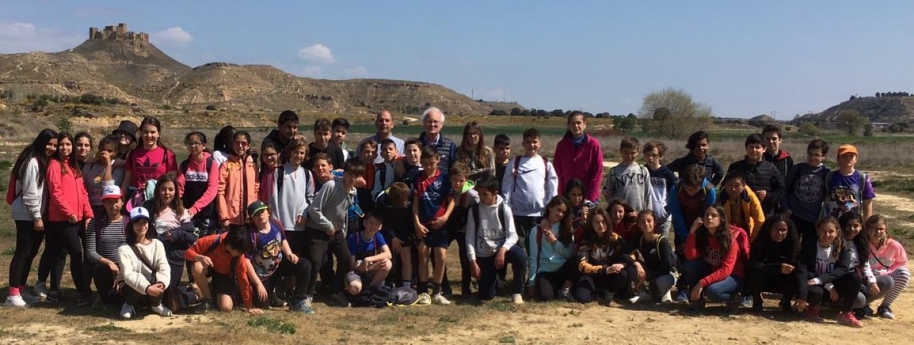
680, 228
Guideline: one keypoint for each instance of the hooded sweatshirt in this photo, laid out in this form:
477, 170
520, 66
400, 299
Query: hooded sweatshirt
231, 202
583, 162
632, 184
887, 259
68, 194
292, 196
94, 178
330, 207
766, 258
32, 196
491, 236
662, 182
545, 256
680, 217
528, 189
782, 160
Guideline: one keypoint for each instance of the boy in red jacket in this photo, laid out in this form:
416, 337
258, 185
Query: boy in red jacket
219, 256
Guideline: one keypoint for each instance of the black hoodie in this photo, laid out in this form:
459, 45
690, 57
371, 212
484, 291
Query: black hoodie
763, 176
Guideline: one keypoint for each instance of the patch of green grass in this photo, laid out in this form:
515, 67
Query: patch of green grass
506, 339
8, 251
109, 328
894, 185
503, 306
6, 165
272, 325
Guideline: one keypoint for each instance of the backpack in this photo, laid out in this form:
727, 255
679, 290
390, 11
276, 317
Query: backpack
280, 180
517, 165
374, 296
403, 296
141, 195
233, 264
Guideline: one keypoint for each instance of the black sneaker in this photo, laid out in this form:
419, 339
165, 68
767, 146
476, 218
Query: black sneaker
204, 306
53, 296
736, 300
85, 300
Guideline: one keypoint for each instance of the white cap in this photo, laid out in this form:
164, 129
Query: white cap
139, 212
111, 192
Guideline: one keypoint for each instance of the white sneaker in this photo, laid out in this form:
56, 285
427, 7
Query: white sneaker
127, 311
641, 297
15, 301
440, 299
667, 298
161, 310
424, 299
517, 298
41, 290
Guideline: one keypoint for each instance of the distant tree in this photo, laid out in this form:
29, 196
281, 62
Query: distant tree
498, 112
674, 113
515, 111
852, 98
896, 128
878, 95
851, 122
558, 113
869, 130
525, 112
626, 124
809, 129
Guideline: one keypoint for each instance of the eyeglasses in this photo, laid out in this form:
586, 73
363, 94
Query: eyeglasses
241, 142
193, 145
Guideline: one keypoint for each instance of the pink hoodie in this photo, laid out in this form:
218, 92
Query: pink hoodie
584, 162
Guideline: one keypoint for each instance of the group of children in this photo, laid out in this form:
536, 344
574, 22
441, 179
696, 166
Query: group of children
262, 227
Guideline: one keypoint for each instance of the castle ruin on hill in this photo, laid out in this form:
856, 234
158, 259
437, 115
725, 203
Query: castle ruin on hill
119, 33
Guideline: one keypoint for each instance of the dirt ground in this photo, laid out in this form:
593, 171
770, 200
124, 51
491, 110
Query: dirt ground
497, 322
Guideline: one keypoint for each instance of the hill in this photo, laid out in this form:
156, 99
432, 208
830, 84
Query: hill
116, 63
876, 109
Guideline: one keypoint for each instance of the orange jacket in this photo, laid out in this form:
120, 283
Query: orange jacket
230, 199
750, 209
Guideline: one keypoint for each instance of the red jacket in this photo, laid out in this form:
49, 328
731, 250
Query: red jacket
734, 263
222, 263
584, 162
68, 194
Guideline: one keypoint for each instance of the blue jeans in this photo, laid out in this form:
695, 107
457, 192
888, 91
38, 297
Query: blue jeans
722, 291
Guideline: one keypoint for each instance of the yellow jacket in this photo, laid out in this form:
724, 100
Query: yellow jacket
749, 208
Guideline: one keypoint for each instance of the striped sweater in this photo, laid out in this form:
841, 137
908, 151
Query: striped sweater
104, 241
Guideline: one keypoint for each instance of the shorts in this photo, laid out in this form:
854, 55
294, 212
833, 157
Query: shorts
437, 238
222, 284
363, 277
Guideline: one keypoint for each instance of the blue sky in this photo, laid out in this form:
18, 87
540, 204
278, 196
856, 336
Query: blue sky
741, 58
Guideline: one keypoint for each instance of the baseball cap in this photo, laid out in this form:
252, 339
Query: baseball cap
111, 192
139, 212
256, 207
847, 148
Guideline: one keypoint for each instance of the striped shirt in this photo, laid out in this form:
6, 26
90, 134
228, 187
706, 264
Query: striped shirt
104, 243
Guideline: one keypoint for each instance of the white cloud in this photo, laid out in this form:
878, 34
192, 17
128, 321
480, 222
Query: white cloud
174, 35
17, 37
316, 53
311, 72
355, 72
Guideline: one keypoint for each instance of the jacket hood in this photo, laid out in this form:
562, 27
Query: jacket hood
782, 154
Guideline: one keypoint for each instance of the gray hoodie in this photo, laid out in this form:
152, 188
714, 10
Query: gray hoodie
485, 241
31, 201
330, 208
631, 184
293, 200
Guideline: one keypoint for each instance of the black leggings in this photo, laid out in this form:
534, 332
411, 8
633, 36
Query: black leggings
548, 283
604, 286
28, 242
319, 244
847, 286
63, 235
300, 270
104, 284
786, 284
